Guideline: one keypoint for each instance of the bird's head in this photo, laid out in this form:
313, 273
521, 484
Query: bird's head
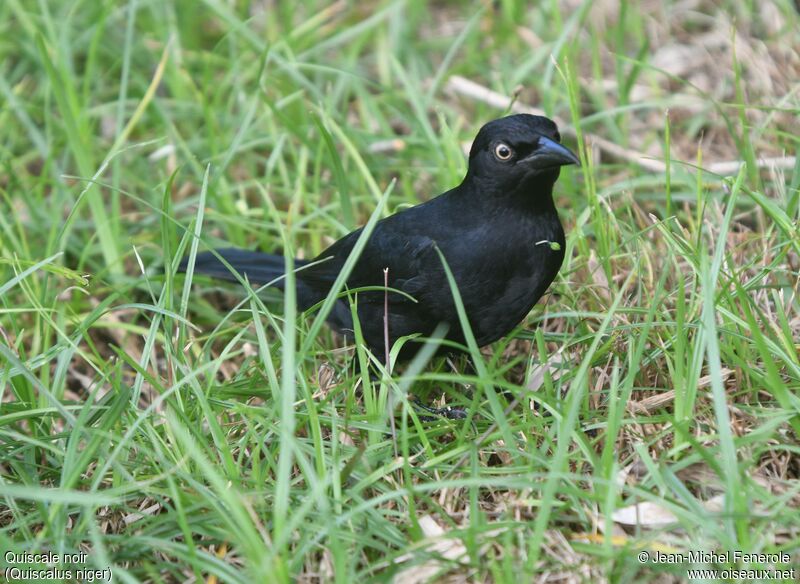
517, 152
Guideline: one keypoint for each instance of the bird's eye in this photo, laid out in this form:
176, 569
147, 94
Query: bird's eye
503, 151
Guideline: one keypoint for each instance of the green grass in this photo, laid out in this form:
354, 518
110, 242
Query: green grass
176, 428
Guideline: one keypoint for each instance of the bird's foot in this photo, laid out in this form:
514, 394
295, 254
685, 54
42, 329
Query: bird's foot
449, 412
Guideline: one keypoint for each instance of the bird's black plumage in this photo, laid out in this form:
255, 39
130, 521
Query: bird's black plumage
498, 230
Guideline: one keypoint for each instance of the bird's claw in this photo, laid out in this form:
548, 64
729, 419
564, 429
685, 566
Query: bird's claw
449, 412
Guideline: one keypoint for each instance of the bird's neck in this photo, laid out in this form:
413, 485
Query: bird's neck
533, 197
530, 200
536, 201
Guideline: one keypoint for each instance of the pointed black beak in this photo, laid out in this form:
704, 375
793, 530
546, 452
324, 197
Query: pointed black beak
550, 154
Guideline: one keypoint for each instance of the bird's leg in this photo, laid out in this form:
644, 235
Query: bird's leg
469, 369
449, 412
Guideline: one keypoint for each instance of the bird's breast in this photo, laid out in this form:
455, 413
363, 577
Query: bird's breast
506, 279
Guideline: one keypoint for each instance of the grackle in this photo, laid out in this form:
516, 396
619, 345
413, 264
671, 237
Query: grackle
498, 231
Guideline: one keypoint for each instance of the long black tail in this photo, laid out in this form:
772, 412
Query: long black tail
259, 268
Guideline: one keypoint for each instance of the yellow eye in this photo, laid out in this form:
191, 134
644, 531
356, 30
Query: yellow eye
503, 151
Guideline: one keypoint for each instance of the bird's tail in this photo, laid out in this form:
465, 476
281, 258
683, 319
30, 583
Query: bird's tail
258, 268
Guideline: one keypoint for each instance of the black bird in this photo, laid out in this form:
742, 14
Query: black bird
498, 230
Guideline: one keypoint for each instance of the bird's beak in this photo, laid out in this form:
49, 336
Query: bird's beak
550, 154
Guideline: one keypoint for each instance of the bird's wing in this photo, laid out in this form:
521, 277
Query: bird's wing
414, 268
408, 256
